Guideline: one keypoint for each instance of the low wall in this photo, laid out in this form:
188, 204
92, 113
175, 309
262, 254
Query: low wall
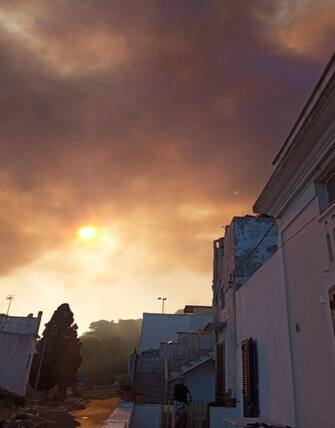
218, 414
146, 416
121, 417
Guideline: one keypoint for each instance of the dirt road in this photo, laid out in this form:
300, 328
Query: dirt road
91, 413
95, 412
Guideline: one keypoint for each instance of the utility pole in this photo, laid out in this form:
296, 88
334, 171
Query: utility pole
38, 373
163, 302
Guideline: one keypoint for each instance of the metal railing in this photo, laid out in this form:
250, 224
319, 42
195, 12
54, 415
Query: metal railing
187, 347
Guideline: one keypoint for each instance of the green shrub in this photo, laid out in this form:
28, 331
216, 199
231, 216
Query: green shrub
9, 399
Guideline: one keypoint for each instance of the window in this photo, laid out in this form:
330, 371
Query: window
331, 189
220, 371
250, 378
332, 304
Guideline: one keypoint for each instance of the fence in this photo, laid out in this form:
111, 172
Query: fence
197, 416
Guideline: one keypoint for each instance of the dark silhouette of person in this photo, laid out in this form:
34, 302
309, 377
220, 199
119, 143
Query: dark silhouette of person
181, 398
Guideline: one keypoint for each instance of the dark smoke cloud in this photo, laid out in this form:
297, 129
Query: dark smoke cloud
163, 114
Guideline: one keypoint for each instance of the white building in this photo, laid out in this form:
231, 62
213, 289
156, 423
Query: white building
161, 328
301, 196
248, 243
172, 345
276, 346
17, 346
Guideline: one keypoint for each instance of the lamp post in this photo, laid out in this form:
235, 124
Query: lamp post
163, 302
10, 298
3, 321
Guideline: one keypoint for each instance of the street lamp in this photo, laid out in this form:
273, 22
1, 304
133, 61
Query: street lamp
10, 298
3, 321
163, 302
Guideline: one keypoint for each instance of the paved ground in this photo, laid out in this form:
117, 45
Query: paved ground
91, 413
95, 412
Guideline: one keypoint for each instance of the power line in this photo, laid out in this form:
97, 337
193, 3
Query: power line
252, 250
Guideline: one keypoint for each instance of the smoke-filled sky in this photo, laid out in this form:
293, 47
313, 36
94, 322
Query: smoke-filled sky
154, 121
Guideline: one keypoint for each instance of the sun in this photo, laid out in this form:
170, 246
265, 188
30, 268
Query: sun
86, 233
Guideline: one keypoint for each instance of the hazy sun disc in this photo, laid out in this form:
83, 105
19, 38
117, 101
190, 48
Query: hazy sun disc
87, 232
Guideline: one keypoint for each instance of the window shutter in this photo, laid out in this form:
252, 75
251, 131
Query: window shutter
250, 379
332, 304
220, 371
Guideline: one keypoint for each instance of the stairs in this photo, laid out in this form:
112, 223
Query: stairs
186, 367
151, 385
148, 378
175, 358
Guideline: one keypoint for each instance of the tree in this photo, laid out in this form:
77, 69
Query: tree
57, 353
106, 348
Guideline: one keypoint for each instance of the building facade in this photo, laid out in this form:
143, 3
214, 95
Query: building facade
174, 345
247, 244
301, 196
18, 337
275, 322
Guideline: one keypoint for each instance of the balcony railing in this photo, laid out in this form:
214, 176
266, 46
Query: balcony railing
187, 347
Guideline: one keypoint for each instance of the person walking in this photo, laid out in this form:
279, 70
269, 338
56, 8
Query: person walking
182, 398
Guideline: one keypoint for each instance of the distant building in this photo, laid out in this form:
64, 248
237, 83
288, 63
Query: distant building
161, 328
18, 337
198, 310
172, 345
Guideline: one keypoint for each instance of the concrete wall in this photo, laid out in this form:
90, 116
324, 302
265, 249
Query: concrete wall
255, 240
218, 414
201, 383
21, 325
16, 353
121, 417
157, 328
146, 416
261, 314
309, 274
248, 242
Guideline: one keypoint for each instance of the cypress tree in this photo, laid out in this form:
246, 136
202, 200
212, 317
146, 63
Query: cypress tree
57, 353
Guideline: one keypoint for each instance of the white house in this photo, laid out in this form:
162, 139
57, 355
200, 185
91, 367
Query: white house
18, 337
301, 196
276, 348
248, 243
159, 328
